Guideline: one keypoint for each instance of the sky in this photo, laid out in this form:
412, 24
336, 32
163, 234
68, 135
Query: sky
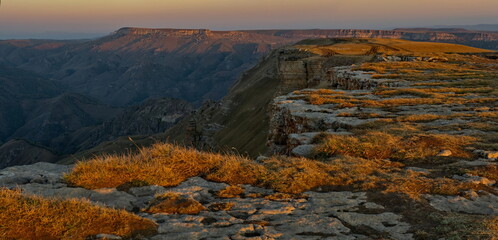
80, 18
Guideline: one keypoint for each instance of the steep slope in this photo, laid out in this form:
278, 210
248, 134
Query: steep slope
21, 152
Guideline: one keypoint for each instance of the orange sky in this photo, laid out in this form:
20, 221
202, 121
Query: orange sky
108, 15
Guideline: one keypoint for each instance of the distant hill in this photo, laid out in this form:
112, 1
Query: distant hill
477, 27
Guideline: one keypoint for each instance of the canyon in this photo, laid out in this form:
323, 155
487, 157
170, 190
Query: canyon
351, 138
95, 80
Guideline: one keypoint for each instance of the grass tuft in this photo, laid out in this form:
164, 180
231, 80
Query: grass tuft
33, 217
173, 203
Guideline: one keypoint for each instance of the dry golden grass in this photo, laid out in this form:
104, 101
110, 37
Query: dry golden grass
385, 46
468, 83
230, 192
463, 69
168, 165
490, 172
421, 118
165, 165
295, 175
284, 174
419, 101
488, 114
360, 115
431, 117
423, 93
422, 96
173, 203
381, 145
32, 217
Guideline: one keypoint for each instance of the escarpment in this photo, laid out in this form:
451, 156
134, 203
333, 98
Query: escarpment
264, 108
407, 88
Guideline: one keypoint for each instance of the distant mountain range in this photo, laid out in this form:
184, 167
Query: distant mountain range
69, 95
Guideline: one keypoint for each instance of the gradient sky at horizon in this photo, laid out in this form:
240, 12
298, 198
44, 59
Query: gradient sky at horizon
103, 16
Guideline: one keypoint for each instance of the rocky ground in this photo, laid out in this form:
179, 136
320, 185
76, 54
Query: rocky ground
246, 213
256, 213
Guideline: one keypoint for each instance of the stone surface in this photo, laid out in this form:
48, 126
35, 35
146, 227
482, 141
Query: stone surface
108, 237
36, 173
485, 204
304, 150
475, 179
315, 215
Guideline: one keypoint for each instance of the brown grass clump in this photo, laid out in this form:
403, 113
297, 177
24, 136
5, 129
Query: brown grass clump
173, 203
230, 192
284, 196
164, 165
488, 114
295, 175
283, 174
33, 217
381, 145
408, 91
420, 118
490, 172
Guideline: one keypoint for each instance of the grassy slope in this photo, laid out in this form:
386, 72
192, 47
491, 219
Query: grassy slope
246, 128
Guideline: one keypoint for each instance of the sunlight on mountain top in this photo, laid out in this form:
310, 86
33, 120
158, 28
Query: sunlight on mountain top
380, 46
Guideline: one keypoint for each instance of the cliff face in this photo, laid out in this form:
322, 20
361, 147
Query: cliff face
248, 116
241, 121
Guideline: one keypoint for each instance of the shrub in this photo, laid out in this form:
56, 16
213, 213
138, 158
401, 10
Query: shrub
32, 217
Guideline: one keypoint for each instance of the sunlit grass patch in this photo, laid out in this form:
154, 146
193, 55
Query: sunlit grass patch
381, 145
165, 165
283, 174
173, 203
32, 217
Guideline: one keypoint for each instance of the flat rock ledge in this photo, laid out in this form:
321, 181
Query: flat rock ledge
257, 213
